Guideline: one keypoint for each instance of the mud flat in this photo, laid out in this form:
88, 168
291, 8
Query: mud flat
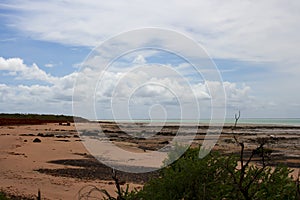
53, 158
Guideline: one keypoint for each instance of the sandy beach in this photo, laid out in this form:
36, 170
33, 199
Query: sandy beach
60, 165
20, 157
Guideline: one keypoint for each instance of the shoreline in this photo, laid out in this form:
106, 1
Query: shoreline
226, 122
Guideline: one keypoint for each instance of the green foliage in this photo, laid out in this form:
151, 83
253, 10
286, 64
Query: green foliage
22, 119
3, 196
190, 178
264, 183
217, 177
38, 116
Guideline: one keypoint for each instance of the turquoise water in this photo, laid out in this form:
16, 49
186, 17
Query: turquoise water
262, 121
275, 121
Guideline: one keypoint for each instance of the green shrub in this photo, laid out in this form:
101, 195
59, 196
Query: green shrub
3, 196
217, 177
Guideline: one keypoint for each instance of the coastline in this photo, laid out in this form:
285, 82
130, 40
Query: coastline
283, 122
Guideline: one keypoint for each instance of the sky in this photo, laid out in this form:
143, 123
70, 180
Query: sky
255, 46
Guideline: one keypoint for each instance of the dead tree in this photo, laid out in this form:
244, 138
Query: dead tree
239, 178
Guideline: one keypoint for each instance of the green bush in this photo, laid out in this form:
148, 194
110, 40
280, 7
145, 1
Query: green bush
217, 177
3, 196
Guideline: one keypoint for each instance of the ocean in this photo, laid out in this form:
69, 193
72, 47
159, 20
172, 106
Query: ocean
272, 121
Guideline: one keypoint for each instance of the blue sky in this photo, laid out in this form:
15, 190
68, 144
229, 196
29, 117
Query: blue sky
254, 44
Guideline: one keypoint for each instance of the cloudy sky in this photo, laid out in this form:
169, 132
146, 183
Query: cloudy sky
254, 44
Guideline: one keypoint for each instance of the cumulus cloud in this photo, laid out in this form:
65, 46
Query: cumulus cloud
42, 93
17, 68
12, 64
141, 88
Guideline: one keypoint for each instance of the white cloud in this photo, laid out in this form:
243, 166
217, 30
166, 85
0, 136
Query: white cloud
54, 94
243, 30
12, 64
138, 90
49, 65
16, 67
139, 60
251, 30
142, 88
49, 93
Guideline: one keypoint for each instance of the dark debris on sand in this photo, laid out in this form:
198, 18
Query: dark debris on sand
92, 169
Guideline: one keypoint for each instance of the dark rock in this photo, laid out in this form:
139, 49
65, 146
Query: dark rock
63, 140
164, 142
49, 135
40, 134
37, 140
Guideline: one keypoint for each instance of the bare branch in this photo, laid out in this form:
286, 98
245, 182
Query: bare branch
237, 117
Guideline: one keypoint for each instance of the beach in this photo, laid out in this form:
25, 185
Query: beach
59, 165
